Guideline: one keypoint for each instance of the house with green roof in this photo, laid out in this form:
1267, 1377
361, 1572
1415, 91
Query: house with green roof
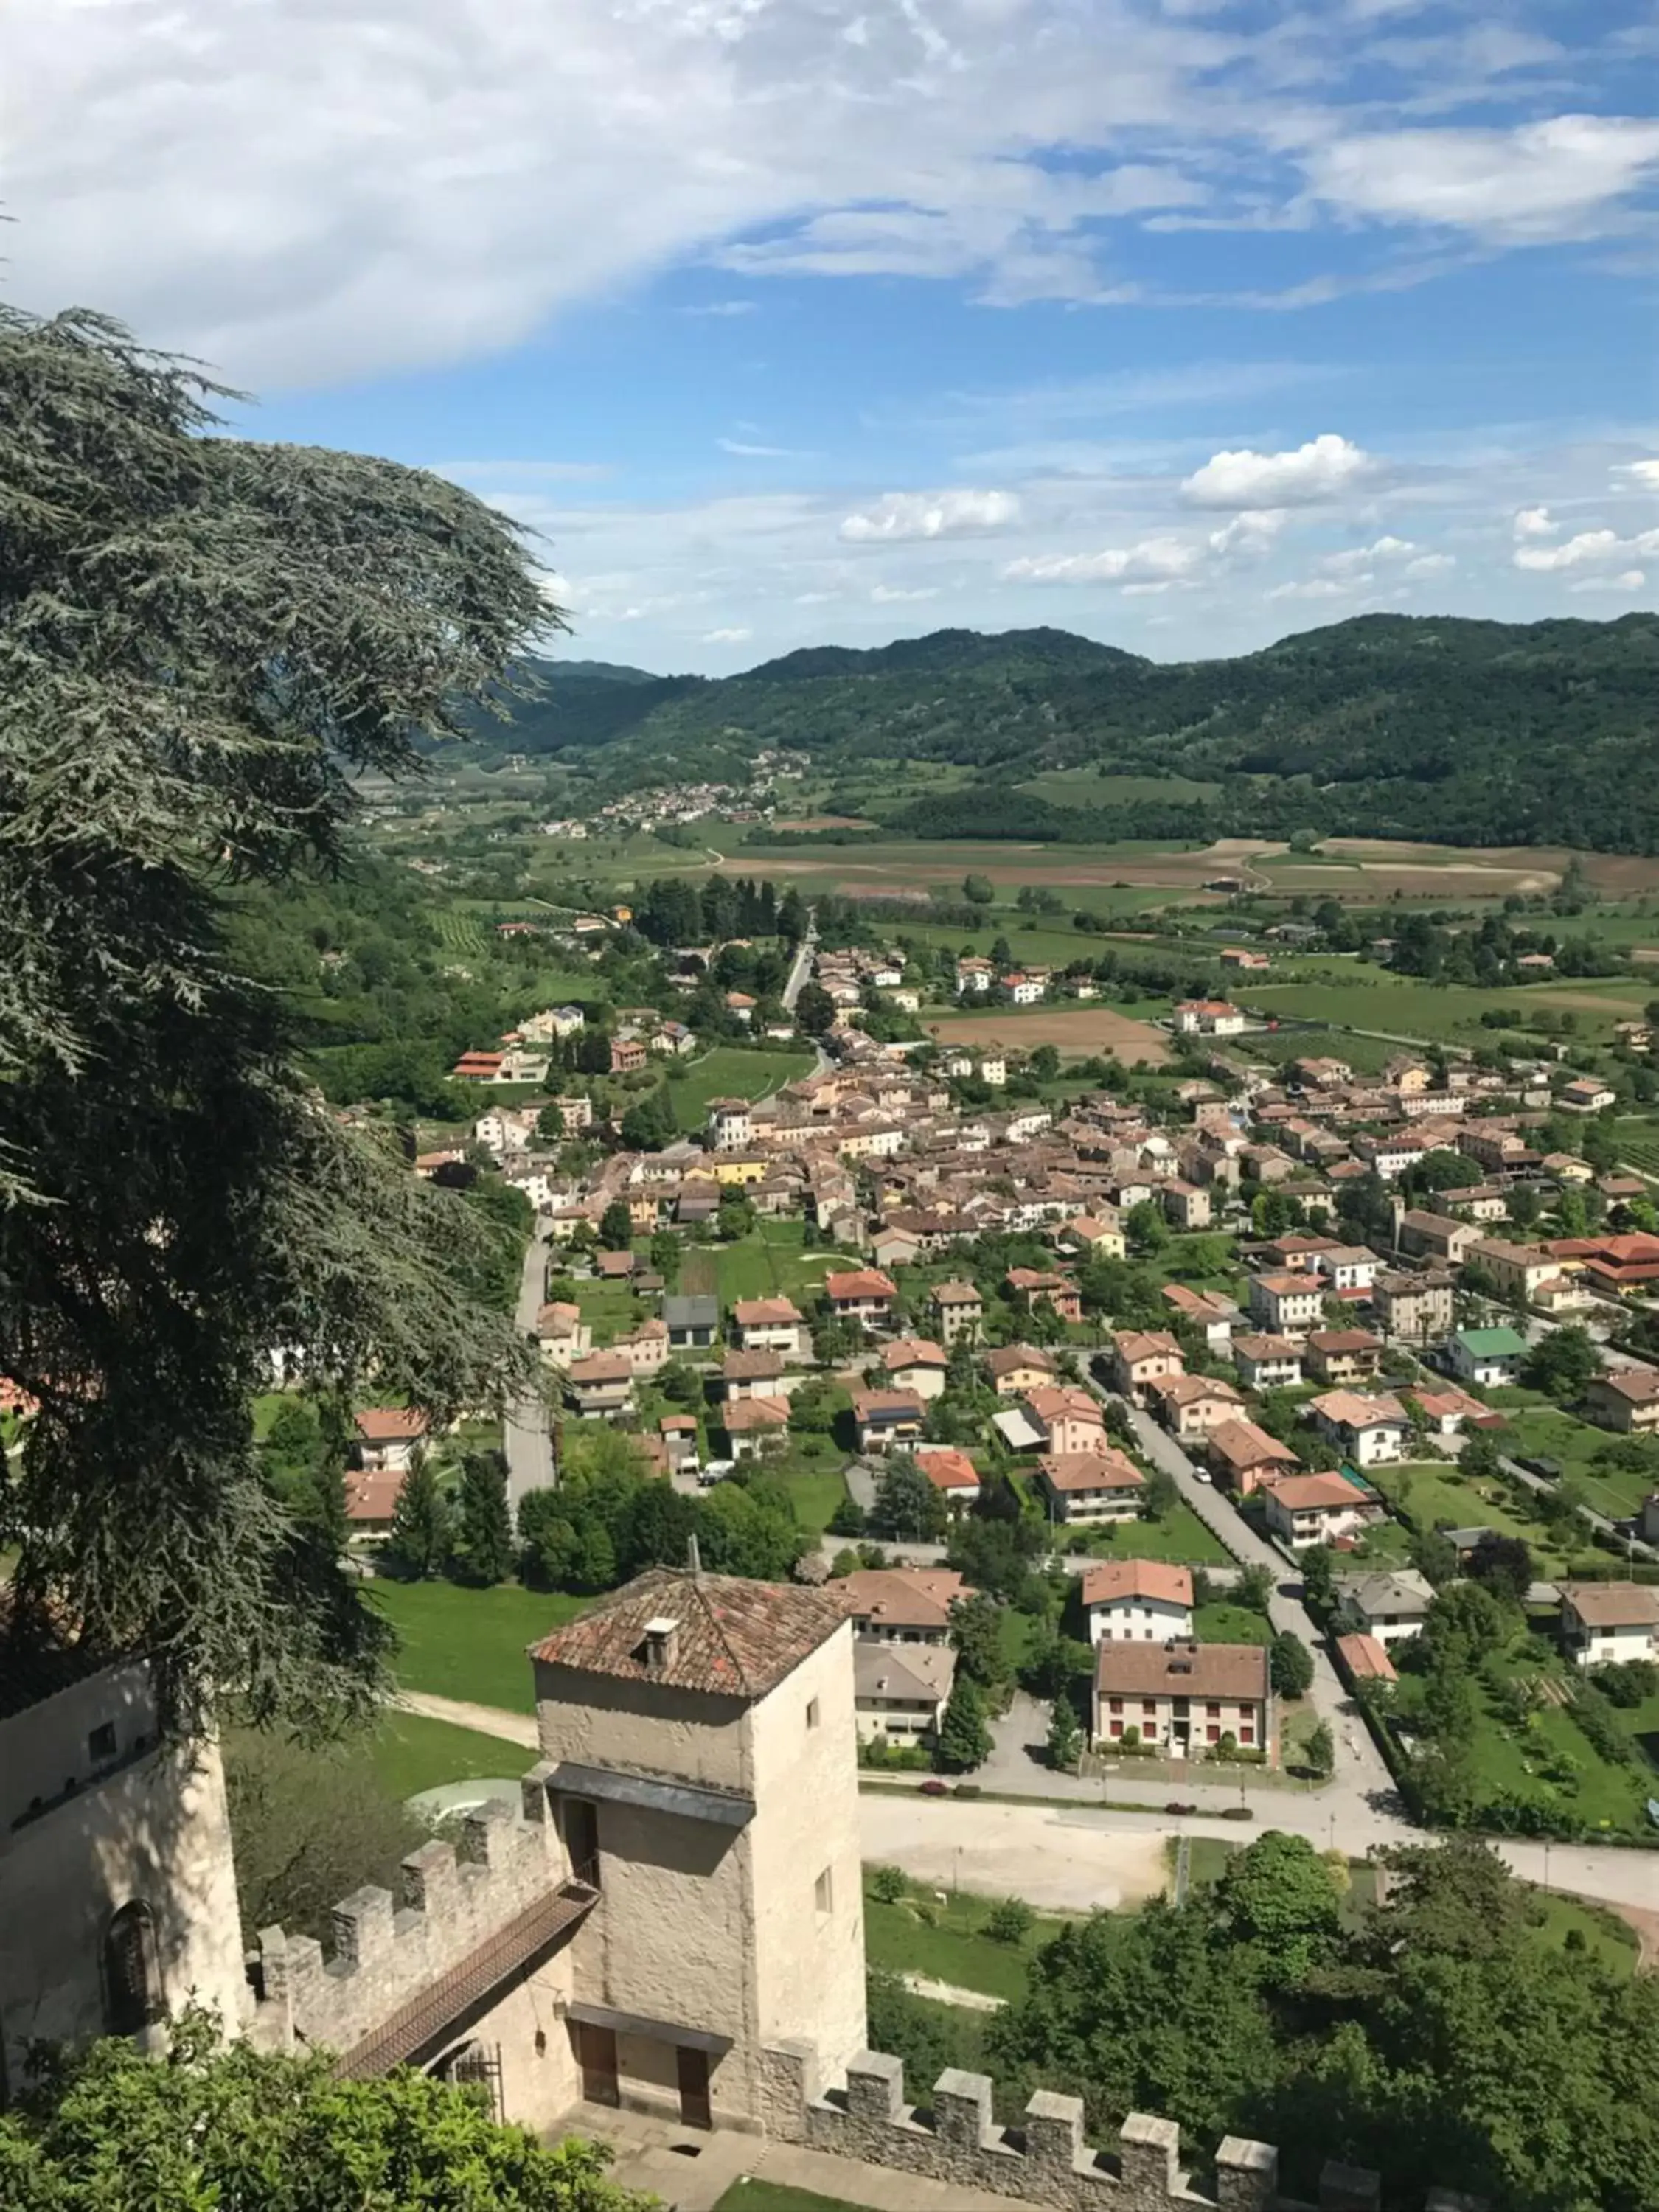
1486, 1355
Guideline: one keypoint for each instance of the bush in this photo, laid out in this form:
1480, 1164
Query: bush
888, 1884
1009, 1922
1627, 1681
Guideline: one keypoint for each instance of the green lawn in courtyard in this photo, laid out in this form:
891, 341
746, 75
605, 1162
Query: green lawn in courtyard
409, 1754
1426, 1494
1220, 1623
772, 1260
1180, 1536
1545, 1432
747, 2194
470, 1644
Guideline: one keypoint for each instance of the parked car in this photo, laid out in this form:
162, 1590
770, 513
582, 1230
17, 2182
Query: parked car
933, 1787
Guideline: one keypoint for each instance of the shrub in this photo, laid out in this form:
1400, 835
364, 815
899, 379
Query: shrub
888, 1884
1009, 1922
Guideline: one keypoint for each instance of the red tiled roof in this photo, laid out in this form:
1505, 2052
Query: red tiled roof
734, 1637
1181, 1669
1115, 1580
860, 1283
391, 1424
1365, 1659
764, 1313
949, 1469
1108, 1469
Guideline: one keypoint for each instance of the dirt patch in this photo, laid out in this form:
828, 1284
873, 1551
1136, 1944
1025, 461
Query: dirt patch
1645, 952
1055, 1861
1077, 1035
811, 822
1646, 1925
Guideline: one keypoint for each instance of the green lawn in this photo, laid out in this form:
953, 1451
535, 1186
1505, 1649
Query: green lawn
409, 1754
1545, 1432
470, 1644
1428, 1493
1220, 1623
1180, 1536
731, 1071
948, 1943
610, 1310
1613, 1940
770, 1262
1404, 1006
815, 1496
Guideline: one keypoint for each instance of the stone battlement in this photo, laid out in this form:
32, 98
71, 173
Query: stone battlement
386, 1953
1045, 2162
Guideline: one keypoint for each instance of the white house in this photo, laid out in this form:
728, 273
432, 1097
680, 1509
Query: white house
1319, 1508
900, 1695
1388, 1606
1603, 1622
1206, 1017
1487, 1356
1370, 1431
1145, 1599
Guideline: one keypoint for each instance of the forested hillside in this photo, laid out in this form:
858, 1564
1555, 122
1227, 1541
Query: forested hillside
1462, 732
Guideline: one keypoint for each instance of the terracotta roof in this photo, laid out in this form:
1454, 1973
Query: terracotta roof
601, 1367
1109, 1469
1054, 1402
1181, 1669
391, 1424
1348, 1409
1012, 1356
913, 1352
762, 1313
1114, 1580
1365, 1659
860, 1283
898, 1405
1639, 1386
757, 1366
678, 1425
1266, 1347
1614, 1605
949, 1469
1344, 1340
1241, 1443
558, 1319
1133, 1344
374, 1497
745, 1414
956, 1294
735, 1637
1194, 1389
1301, 1493
901, 1597
1290, 1285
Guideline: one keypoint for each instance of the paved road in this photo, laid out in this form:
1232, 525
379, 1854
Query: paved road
529, 1447
803, 961
1072, 1857
1362, 1781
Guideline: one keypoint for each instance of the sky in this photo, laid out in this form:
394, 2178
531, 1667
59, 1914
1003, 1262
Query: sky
1183, 324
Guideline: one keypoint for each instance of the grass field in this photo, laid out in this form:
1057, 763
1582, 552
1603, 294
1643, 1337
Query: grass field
1220, 1623
1545, 1432
1087, 787
409, 1754
747, 2194
470, 1644
1404, 1006
1428, 1494
1637, 1137
776, 1258
730, 1072
1180, 1536
947, 1942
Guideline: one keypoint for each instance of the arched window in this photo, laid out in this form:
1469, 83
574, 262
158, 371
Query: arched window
132, 1973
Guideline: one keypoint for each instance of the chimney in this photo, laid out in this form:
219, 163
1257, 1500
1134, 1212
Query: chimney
694, 1558
662, 1641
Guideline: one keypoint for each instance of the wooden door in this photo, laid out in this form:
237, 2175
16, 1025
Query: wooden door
696, 2109
596, 2054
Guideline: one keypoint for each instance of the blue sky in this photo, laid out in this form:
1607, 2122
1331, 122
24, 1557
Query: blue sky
1181, 323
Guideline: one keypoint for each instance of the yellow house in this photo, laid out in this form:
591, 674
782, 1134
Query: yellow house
642, 1208
739, 1168
622, 912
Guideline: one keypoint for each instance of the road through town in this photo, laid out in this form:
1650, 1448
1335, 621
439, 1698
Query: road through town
528, 1444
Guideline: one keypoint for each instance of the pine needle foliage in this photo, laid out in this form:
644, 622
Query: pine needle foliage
202, 640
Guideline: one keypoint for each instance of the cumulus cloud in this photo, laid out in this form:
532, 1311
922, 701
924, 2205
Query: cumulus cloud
1533, 522
1154, 560
1359, 559
1627, 580
893, 595
727, 636
1590, 548
1315, 587
1431, 565
898, 516
1641, 476
1323, 468
1251, 532
1559, 176
747, 452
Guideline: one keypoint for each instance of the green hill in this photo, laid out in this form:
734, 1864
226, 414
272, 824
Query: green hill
1467, 732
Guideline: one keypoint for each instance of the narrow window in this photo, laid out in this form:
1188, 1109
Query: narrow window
132, 1974
812, 1712
100, 1744
824, 1892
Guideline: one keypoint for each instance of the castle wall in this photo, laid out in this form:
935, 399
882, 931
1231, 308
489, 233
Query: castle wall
641, 1728
1045, 2162
97, 1831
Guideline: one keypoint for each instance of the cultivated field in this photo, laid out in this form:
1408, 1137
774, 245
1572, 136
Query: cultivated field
1079, 1033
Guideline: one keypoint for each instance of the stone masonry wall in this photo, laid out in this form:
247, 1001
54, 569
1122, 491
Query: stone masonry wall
1045, 2162
385, 1954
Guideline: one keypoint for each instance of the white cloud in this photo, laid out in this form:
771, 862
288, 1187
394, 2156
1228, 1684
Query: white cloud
727, 636
747, 452
1316, 588
1533, 522
1590, 548
1627, 580
724, 307
1642, 476
1153, 560
1560, 177
892, 595
1323, 468
1431, 565
900, 515
1251, 532
1357, 559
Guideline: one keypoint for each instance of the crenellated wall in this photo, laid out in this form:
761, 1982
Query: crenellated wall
386, 1954
1046, 2161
